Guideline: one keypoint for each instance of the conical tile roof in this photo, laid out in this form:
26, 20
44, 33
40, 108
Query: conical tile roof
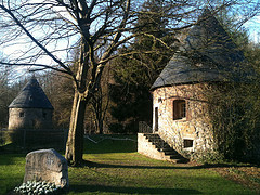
208, 54
31, 96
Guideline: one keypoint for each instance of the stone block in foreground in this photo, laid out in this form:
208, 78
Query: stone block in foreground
46, 165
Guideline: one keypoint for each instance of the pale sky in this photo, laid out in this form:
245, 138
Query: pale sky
254, 29
253, 26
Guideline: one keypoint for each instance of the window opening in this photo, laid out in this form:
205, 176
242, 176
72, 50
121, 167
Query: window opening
21, 114
159, 100
179, 109
44, 115
187, 143
156, 119
33, 123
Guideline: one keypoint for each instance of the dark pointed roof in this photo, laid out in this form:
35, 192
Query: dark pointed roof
31, 96
208, 54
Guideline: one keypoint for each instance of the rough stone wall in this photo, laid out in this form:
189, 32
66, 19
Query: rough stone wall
32, 118
194, 127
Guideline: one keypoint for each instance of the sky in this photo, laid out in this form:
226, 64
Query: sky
252, 25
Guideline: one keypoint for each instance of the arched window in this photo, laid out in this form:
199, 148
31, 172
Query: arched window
179, 109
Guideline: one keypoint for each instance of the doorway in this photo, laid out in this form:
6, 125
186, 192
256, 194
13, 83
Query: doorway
156, 119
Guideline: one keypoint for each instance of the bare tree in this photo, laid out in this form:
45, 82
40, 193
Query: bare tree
40, 34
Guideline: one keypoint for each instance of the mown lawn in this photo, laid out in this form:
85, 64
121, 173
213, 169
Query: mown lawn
11, 171
116, 168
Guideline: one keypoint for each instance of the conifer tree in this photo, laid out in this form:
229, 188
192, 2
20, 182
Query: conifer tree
136, 73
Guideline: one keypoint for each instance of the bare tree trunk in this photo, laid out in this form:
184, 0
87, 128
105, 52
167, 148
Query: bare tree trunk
74, 146
69, 144
101, 126
99, 110
85, 92
78, 132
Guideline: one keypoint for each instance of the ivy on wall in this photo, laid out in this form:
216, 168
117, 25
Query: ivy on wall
235, 116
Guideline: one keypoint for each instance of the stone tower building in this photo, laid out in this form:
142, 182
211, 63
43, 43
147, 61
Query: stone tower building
31, 109
207, 58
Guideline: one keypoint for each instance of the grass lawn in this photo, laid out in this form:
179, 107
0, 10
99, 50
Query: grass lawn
11, 171
116, 168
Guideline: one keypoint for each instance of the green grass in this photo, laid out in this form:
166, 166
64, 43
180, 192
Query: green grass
116, 168
11, 171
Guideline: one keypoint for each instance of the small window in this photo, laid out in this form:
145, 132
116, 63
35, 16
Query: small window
30, 98
44, 115
21, 114
33, 123
188, 143
159, 100
179, 109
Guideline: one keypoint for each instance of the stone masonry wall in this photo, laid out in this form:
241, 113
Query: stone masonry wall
195, 127
30, 118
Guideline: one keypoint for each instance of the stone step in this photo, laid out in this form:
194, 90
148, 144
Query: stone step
161, 145
172, 153
174, 156
165, 149
152, 136
154, 140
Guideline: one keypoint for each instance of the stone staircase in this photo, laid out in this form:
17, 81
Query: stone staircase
150, 144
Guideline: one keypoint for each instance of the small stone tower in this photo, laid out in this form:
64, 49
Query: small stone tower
207, 60
31, 109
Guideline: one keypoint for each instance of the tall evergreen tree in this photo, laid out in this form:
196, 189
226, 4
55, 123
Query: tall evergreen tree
141, 67
136, 73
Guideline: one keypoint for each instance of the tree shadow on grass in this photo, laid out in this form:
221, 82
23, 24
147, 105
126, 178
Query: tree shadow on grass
14, 148
129, 190
136, 166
